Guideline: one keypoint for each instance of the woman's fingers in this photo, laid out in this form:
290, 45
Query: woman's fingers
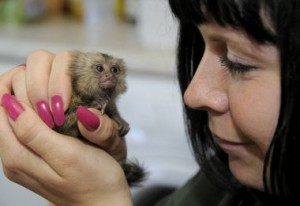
19, 86
46, 154
102, 131
48, 85
60, 87
60, 79
20, 163
38, 69
31, 131
51, 164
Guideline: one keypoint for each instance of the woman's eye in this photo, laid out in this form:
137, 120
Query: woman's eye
99, 68
235, 67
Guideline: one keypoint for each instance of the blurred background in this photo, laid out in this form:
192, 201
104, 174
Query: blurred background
143, 33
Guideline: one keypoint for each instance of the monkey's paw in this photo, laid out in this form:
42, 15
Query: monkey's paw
123, 127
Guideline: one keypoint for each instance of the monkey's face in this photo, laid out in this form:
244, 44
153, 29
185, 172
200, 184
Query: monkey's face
100, 73
108, 75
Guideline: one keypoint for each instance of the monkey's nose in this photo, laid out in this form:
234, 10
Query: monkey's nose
108, 75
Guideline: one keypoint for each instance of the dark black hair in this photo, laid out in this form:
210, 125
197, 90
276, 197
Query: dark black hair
279, 26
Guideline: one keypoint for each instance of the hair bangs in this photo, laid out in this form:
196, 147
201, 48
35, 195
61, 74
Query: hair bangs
187, 11
242, 15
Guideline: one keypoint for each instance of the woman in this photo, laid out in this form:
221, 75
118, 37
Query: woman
237, 68
237, 64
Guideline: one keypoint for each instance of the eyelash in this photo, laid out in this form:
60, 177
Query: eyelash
235, 67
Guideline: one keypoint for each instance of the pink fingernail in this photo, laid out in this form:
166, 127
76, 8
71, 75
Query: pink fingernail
89, 120
58, 110
44, 112
12, 106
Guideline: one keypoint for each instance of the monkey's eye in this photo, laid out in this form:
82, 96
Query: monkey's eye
99, 68
115, 69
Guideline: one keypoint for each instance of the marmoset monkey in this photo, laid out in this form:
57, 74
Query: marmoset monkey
97, 80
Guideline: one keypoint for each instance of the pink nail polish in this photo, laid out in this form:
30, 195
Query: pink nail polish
12, 106
44, 112
89, 120
58, 110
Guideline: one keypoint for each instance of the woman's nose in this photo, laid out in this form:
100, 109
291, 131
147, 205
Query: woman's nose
208, 88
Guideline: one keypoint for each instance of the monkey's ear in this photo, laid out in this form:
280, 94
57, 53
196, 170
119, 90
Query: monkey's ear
122, 63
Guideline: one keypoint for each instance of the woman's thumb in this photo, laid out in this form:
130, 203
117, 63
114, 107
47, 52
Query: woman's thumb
101, 130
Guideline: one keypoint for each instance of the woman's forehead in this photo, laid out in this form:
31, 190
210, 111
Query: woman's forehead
239, 41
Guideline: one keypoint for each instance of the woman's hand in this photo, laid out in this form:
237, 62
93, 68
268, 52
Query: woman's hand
64, 170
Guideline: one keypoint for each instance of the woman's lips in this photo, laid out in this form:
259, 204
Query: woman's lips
222, 141
228, 145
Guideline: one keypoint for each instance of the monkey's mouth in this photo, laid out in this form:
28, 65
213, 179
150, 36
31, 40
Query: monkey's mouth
108, 83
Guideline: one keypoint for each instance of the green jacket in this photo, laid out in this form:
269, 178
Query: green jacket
200, 191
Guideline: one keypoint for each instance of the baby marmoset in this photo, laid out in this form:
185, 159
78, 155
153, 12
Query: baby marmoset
97, 80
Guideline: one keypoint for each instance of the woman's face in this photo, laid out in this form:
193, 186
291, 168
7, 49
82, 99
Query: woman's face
238, 83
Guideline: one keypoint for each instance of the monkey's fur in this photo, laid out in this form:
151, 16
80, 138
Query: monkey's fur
97, 80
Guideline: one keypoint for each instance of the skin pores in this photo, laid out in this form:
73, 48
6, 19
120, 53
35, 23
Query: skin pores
242, 97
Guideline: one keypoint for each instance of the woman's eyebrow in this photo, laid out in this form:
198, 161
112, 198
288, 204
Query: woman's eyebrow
216, 38
212, 34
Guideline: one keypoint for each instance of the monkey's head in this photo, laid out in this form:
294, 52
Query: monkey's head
95, 72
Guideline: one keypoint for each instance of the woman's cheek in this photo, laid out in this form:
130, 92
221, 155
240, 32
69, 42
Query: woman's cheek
255, 114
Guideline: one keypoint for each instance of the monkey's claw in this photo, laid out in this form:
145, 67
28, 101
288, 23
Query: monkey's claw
123, 129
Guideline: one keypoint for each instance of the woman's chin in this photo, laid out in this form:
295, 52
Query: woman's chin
247, 174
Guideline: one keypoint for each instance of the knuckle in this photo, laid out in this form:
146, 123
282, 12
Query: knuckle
2, 77
11, 174
38, 54
18, 75
64, 54
63, 58
3, 90
11, 168
27, 130
6, 79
